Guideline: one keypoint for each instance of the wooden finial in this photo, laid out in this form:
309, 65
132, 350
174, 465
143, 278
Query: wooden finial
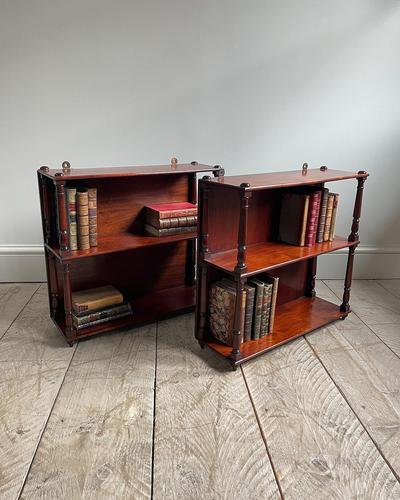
244, 185
66, 166
323, 168
44, 168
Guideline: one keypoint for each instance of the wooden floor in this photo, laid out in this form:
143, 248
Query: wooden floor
146, 413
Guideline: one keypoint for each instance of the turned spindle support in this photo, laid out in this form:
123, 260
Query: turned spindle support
242, 234
353, 237
238, 320
69, 328
63, 237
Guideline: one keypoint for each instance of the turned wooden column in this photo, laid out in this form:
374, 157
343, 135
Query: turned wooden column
69, 329
202, 304
242, 233
353, 237
63, 236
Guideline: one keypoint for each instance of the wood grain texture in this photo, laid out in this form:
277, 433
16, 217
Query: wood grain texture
318, 447
207, 442
13, 298
33, 362
98, 441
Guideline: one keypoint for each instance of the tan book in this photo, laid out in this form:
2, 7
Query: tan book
328, 219
92, 218
82, 206
72, 218
333, 222
94, 299
304, 224
275, 282
222, 312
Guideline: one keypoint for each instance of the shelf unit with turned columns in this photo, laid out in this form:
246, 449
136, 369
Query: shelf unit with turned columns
238, 230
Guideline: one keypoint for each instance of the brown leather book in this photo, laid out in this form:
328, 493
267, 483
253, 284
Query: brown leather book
312, 219
293, 220
94, 299
322, 215
333, 222
249, 312
153, 231
328, 219
222, 301
92, 218
72, 219
275, 282
171, 222
82, 207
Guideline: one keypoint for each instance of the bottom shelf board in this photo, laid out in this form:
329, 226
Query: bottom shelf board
151, 307
292, 320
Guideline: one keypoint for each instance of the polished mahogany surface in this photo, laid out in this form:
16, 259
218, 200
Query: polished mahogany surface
271, 254
292, 320
273, 180
91, 173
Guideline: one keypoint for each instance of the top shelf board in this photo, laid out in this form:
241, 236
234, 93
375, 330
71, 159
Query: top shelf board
273, 180
91, 173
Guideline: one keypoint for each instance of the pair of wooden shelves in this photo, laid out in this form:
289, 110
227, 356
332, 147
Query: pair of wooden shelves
156, 274
238, 229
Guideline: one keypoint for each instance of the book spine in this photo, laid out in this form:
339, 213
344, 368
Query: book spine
95, 305
312, 221
322, 216
82, 206
328, 219
266, 309
92, 200
72, 220
170, 231
273, 305
248, 322
104, 320
333, 222
221, 313
105, 313
257, 311
171, 222
168, 214
304, 223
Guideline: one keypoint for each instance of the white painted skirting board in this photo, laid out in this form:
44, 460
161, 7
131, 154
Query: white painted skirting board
20, 263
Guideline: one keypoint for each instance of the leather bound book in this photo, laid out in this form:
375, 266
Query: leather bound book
92, 200
249, 312
333, 222
328, 218
222, 300
80, 321
123, 314
275, 283
170, 231
258, 306
322, 215
312, 219
266, 310
304, 222
82, 207
293, 218
94, 299
171, 222
168, 210
72, 219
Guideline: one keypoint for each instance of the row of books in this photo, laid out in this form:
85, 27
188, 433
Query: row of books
166, 219
82, 218
259, 304
308, 218
99, 305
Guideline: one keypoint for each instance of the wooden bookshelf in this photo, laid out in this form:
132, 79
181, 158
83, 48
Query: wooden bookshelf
238, 236
155, 274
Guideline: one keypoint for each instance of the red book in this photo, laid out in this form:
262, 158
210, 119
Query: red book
312, 221
168, 210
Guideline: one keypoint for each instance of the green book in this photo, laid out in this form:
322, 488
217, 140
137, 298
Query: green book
258, 306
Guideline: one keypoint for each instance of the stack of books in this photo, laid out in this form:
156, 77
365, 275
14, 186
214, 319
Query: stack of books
98, 305
82, 218
308, 218
259, 304
166, 219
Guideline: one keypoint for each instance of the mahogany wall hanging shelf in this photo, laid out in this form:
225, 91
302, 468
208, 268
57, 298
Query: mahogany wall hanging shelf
238, 227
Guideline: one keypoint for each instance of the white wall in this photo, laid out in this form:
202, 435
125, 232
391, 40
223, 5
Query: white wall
251, 85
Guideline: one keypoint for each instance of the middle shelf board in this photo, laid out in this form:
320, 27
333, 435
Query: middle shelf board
119, 243
268, 255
